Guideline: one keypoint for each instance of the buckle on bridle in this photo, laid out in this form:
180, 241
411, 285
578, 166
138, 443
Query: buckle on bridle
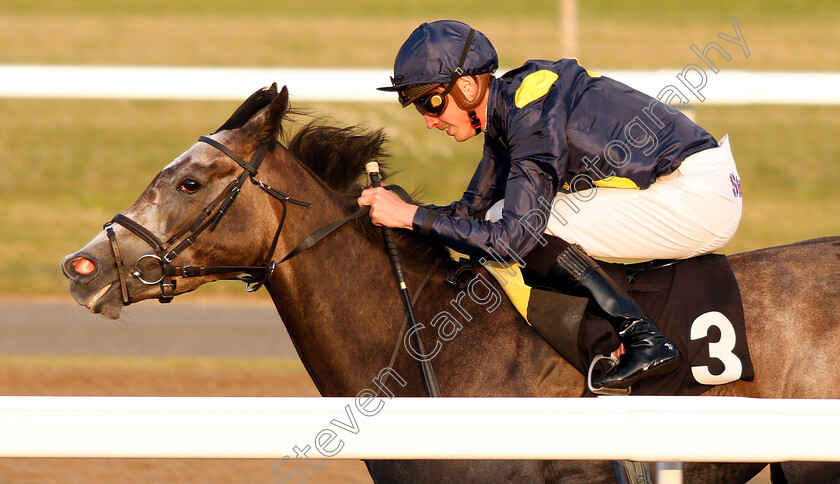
167, 292
252, 284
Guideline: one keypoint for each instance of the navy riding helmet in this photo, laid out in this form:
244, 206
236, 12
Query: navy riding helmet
439, 53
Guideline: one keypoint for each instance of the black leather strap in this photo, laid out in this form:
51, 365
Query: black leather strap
201, 271
400, 192
459, 71
252, 170
475, 123
139, 231
119, 262
313, 238
278, 194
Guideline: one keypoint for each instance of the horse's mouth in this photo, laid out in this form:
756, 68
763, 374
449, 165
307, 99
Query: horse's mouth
96, 297
106, 306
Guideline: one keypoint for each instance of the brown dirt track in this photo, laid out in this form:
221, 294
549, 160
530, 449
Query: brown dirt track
34, 380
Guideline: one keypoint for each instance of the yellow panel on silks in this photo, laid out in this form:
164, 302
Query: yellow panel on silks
534, 86
555, 316
616, 182
611, 182
588, 72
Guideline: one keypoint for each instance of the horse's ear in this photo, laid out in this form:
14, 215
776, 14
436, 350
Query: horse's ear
276, 110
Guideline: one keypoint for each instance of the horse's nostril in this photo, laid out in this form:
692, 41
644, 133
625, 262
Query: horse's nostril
83, 266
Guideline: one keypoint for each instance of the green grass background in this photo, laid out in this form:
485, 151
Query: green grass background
70, 165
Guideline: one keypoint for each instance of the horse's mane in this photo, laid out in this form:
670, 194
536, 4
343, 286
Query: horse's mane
337, 155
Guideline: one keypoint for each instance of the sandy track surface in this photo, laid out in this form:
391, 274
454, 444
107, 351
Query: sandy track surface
200, 327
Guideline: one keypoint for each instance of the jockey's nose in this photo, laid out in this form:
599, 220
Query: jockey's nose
75, 266
431, 121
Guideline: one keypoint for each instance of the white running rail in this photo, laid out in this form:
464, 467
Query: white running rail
359, 85
676, 429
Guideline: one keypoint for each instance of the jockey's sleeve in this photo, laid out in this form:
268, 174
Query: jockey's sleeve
515, 234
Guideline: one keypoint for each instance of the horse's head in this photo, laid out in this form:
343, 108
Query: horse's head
149, 250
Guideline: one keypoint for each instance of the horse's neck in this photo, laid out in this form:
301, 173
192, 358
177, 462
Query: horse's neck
343, 312
330, 299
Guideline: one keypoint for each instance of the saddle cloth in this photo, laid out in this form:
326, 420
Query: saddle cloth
695, 302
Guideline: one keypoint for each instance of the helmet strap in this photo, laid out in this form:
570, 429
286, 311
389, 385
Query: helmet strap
474, 121
483, 81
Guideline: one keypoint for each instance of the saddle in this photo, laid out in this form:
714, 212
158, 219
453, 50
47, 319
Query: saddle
695, 302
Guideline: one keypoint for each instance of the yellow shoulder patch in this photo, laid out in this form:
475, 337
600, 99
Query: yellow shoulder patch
534, 86
588, 72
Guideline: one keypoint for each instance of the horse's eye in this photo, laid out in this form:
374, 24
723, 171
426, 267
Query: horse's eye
189, 186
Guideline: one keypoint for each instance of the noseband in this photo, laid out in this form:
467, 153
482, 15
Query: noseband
166, 252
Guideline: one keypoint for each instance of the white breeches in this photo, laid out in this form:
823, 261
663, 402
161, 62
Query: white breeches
692, 211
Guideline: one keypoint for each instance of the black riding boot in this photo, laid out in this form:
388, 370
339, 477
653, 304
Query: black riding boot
647, 352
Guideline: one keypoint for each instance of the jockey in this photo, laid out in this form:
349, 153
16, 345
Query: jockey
573, 158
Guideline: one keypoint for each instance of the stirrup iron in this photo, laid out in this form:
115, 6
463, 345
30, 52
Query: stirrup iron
604, 391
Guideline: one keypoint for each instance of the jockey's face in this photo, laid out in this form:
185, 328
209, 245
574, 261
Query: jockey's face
453, 120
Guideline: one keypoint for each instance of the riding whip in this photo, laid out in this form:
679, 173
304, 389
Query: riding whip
429, 379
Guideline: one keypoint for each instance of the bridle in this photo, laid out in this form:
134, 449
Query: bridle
165, 252
208, 219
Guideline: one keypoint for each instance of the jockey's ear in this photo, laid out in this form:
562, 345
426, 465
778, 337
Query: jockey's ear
468, 86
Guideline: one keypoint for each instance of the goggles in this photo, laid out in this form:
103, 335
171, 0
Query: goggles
426, 98
431, 102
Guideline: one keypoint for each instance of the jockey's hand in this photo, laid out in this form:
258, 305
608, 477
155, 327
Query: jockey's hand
387, 209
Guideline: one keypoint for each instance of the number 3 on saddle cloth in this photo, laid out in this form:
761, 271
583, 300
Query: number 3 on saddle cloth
695, 302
